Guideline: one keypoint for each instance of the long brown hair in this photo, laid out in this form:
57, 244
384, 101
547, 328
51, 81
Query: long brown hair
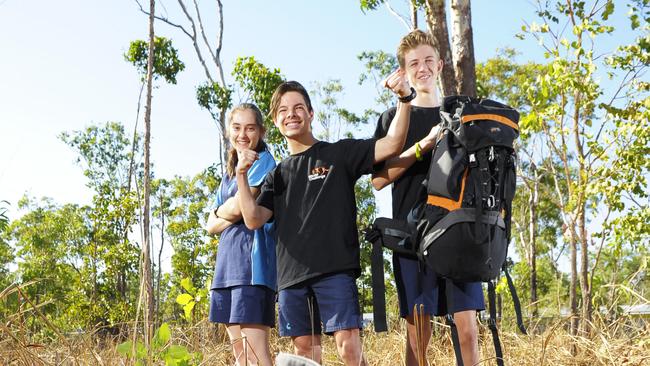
261, 145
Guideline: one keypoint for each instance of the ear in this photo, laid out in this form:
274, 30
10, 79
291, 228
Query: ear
440, 65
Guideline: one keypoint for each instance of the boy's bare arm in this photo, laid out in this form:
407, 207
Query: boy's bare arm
391, 144
395, 167
254, 215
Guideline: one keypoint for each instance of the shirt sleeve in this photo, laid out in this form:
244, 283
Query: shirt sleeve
383, 123
265, 199
260, 168
359, 156
218, 198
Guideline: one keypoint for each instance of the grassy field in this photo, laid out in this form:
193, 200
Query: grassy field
624, 342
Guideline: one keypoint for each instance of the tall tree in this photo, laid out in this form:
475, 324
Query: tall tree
216, 85
147, 281
110, 260
459, 74
590, 131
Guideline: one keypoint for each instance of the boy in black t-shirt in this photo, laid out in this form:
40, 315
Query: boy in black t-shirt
311, 196
415, 283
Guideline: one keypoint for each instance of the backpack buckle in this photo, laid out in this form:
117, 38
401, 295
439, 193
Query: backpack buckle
491, 201
491, 154
472, 160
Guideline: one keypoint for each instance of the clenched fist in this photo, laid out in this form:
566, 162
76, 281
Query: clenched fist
245, 159
398, 83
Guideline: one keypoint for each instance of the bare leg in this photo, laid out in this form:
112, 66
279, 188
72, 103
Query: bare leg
468, 336
306, 345
235, 336
348, 344
257, 339
411, 338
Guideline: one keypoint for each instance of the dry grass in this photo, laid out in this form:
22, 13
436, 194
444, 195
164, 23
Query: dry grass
625, 341
620, 343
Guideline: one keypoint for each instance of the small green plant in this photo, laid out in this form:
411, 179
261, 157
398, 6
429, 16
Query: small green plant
191, 298
161, 350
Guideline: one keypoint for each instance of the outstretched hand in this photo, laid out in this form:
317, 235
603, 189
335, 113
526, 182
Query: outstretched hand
398, 83
245, 159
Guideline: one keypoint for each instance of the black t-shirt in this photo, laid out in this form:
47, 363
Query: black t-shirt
407, 187
312, 198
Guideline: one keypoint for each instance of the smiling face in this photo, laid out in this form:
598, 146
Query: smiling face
244, 132
293, 116
422, 66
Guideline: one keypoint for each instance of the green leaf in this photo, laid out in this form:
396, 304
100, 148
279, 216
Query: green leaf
178, 352
186, 283
184, 299
188, 309
125, 348
162, 336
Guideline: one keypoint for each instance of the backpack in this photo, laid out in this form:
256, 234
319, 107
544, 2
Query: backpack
461, 228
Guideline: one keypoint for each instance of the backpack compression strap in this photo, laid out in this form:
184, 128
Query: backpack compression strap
395, 235
515, 300
492, 323
455, 341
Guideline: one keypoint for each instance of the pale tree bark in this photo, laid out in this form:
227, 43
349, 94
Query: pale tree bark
437, 22
414, 15
532, 238
463, 47
146, 245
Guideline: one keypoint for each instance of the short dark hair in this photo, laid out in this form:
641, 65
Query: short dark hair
282, 89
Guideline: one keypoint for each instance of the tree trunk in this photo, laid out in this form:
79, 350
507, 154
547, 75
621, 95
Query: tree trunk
532, 239
463, 47
146, 252
573, 300
585, 286
414, 15
437, 23
159, 275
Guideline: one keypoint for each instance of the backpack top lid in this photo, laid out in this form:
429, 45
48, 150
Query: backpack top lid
480, 122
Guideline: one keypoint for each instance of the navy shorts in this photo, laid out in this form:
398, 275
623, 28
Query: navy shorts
329, 302
243, 305
417, 284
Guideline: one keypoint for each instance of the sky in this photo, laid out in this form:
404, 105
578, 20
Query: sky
62, 69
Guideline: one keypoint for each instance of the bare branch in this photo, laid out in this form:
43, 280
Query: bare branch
164, 19
398, 15
194, 41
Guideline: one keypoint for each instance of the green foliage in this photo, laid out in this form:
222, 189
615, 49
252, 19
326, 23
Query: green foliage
214, 97
166, 63
259, 82
378, 65
161, 350
191, 298
334, 120
110, 259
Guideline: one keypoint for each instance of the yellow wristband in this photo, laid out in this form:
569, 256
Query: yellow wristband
418, 152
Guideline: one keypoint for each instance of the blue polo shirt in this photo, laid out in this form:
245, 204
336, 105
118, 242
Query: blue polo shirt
245, 257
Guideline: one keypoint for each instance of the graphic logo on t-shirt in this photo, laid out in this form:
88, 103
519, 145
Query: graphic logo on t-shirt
319, 172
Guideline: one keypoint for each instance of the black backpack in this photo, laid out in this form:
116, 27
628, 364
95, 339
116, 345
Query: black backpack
461, 229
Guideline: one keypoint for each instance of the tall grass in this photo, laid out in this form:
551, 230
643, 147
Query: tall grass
623, 341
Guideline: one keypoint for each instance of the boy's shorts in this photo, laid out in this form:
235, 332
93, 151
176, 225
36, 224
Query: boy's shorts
332, 300
245, 304
417, 284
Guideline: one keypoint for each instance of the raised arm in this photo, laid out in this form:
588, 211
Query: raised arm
391, 144
395, 167
254, 215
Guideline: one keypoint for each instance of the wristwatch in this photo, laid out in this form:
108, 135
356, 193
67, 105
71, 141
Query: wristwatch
409, 97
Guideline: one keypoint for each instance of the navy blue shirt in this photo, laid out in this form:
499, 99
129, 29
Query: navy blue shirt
245, 257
